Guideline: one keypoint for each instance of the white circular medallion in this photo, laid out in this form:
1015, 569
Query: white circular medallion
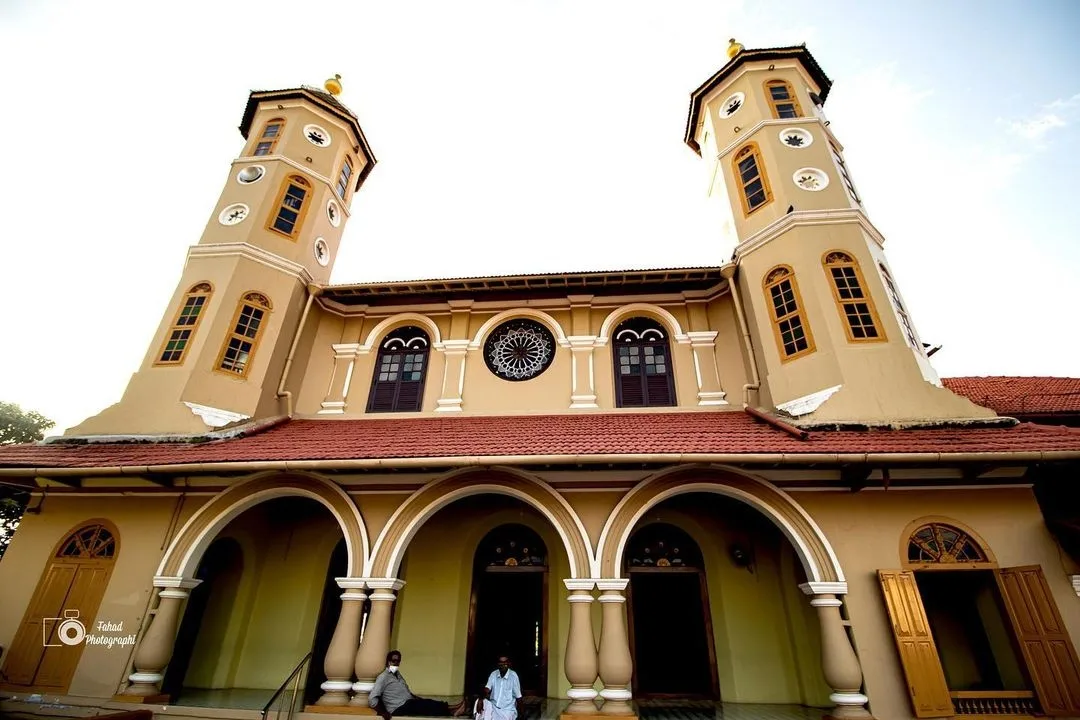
796, 138
234, 214
317, 136
811, 179
333, 212
322, 252
250, 174
732, 105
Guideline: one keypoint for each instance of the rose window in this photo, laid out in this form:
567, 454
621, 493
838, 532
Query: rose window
519, 350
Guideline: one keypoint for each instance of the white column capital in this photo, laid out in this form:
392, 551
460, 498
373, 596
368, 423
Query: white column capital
702, 338
345, 351
454, 347
388, 584
1076, 584
824, 588
580, 343
165, 581
351, 583
579, 584
613, 584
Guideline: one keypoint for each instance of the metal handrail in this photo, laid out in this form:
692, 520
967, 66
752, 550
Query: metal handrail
294, 678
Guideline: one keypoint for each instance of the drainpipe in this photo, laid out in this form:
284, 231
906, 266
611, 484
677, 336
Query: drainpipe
313, 292
728, 271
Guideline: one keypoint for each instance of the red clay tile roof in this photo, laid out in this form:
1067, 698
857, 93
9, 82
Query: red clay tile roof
1020, 395
584, 435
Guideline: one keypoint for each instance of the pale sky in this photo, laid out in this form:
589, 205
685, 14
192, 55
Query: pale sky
522, 136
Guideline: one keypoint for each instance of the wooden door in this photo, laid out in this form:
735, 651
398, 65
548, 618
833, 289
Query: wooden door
1048, 651
74, 581
918, 654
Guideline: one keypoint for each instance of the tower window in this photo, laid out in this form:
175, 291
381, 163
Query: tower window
789, 322
240, 346
856, 307
397, 384
291, 206
270, 135
844, 173
901, 312
343, 180
782, 99
750, 174
643, 376
184, 325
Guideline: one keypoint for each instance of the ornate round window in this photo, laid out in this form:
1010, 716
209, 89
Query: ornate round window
250, 174
519, 350
322, 252
233, 214
811, 179
796, 138
316, 135
732, 105
333, 213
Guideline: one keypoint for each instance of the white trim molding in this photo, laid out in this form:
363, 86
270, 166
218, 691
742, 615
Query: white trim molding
1076, 584
579, 584
808, 403
799, 218
824, 588
215, 417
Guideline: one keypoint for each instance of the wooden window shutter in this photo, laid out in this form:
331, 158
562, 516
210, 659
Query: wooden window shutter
1048, 652
632, 392
918, 653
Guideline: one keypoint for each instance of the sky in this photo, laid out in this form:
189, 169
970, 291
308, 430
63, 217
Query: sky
525, 136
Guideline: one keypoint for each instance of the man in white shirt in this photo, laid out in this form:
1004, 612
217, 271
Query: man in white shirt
502, 693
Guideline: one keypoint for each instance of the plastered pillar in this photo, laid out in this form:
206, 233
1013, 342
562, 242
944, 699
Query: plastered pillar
616, 664
839, 664
344, 363
371, 656
580, 662
703, 345
341, 655
156, 647
453, 386
583, 384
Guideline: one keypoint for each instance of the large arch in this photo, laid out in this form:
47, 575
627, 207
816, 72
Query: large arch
664, 317
394, 322
389, 549
183, 555
811, 545
539, 315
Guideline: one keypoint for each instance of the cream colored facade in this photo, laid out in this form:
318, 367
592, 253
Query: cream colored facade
228, 571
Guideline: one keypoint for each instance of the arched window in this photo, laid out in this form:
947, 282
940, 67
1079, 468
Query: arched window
397, 385
643, 376
901, 312
511, 546
661, 545
938, 543
343, 178
270, 135
782, 99
754, 189
291, 206
239, 347
849, 291
793, 336
184, 325
92, 542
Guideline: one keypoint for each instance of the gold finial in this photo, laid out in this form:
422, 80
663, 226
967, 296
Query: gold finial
333, 85
734, 48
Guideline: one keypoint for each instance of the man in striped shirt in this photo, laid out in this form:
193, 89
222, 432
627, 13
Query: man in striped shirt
391, 695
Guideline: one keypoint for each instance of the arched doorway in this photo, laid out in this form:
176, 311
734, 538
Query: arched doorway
220, 570
70, 589
508, 608
670, 626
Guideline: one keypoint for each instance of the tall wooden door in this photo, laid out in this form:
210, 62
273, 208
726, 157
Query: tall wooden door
70, 588
1048, 651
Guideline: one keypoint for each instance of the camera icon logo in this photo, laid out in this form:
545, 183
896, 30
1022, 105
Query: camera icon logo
69, 630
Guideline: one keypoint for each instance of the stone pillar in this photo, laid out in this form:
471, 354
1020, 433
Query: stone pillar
344, 363
156, 648
703, 345
371, 656
582, 378
580, 661
839, 663
341, 655
616, 665
453, 386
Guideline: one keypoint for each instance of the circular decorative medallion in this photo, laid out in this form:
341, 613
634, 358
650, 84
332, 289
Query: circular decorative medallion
519, 350
811, 179
333, 212
250, 174
322, 252
732, 105
796, 138
234, 214
317, 136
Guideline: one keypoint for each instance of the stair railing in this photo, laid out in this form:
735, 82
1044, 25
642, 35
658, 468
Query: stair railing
294, 679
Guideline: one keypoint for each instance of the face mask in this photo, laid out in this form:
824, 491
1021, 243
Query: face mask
392, 668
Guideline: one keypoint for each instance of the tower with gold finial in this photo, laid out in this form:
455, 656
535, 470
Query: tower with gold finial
833, 337
271, 238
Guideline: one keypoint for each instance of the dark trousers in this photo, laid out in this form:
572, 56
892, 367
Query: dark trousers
423, 707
